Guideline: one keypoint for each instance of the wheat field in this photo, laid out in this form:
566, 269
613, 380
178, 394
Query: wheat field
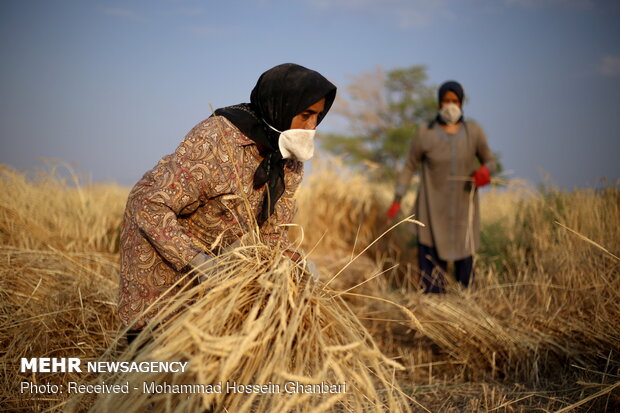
539, 329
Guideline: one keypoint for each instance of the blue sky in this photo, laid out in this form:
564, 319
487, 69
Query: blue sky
111, 86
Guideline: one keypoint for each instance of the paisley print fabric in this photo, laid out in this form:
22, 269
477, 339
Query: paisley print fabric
200, 195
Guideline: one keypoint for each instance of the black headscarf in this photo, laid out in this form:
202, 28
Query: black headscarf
280, 94
449, 86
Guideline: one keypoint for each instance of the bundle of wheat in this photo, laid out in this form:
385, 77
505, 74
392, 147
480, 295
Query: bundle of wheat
259, 335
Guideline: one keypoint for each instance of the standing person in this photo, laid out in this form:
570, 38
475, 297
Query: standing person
193, 202
446, 149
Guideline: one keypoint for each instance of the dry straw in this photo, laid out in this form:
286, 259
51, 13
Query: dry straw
259, 320
255, 321
538, 329
58, 277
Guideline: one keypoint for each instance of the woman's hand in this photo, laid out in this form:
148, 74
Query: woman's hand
294, 255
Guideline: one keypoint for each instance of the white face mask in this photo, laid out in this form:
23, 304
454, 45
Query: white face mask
450, 113
296, 143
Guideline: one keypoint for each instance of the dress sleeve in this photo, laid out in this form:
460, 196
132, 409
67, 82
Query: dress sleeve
414, 157
178, 185
483, 152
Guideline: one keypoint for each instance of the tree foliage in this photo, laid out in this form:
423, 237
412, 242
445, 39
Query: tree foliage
383, 111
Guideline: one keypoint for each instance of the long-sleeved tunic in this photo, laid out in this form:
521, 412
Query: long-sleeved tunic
190, 199
445, 203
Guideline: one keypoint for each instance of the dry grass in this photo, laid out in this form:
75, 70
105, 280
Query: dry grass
544, 311
539, 330
53, 212
336, 218
58, 277
258, 320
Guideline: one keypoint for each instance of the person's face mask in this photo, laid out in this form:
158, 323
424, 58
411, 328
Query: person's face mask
450, 113
296, 143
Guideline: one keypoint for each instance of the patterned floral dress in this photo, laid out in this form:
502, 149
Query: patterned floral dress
190, 199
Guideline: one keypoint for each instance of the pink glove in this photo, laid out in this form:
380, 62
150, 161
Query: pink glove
482, 176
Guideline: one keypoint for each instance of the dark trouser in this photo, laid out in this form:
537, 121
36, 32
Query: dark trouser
433, 268
131, 336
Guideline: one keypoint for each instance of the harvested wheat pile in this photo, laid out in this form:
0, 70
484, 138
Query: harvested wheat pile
538, 329
258, 320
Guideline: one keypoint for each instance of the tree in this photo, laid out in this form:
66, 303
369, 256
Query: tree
382, 111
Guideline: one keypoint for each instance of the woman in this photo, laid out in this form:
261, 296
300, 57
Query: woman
193, 202
447, 201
